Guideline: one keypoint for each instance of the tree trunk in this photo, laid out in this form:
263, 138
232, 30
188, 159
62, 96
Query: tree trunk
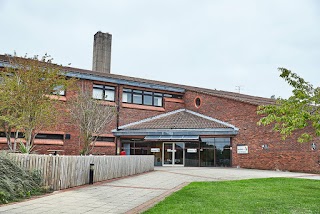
8, 137
15, 141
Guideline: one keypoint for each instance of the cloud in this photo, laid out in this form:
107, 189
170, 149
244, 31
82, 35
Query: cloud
215, 44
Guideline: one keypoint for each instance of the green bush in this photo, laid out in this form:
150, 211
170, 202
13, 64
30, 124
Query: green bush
15, 182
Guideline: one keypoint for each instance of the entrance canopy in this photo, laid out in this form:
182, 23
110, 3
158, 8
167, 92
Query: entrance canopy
172, 138
181, 124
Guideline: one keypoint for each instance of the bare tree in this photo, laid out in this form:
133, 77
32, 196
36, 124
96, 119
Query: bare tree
91, 116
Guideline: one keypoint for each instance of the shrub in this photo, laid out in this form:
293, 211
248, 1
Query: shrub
15, 182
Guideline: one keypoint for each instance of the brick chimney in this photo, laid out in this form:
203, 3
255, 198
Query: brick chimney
102, 52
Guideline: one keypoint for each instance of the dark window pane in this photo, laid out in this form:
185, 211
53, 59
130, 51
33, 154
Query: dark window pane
137, 91
50, 136
12, 134
147, 92
177, 96
106, 139
198, 102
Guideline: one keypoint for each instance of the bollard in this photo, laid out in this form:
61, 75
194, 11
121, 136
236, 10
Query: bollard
91, 173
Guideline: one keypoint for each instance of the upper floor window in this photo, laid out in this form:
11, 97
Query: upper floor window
103, 92
148, 98
59, 90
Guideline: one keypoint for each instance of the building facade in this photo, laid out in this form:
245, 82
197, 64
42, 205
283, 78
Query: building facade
180, 125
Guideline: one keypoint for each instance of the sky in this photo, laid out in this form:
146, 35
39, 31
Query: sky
217, 44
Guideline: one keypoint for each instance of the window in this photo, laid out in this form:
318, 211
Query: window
148, 98
157, 100
215, 152
137, 97
140, 97
49, 136
197, 102
105, 139
103, 92
126, 96
12, 134
59, 90
173, 96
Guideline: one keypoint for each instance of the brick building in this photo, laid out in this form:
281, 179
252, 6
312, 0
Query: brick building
180, 125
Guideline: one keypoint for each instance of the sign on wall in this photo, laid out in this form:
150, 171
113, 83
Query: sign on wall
242, 149
192, 150
155, 149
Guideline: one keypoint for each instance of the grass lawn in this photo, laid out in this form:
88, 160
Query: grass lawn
270, 195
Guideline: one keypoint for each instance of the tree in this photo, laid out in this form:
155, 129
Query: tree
299, 111
25, 89
91, 116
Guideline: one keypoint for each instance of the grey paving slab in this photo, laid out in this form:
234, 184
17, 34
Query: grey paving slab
132, 194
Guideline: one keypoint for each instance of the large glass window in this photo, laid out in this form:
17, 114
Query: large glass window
215, 152
140, 147
103, 92
192, 154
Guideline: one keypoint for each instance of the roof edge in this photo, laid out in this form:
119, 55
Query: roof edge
174, 132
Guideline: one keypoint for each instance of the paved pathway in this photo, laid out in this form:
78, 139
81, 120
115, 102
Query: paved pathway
135, 193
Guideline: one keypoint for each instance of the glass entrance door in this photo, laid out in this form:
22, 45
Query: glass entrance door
167, 153
173, 154
179, 154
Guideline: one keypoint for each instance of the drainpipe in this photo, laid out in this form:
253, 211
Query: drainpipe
117, 152
118, 106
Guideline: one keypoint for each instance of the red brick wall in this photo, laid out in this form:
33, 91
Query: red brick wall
288, 155
282, 155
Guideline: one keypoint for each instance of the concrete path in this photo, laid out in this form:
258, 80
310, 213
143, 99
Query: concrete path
136, 193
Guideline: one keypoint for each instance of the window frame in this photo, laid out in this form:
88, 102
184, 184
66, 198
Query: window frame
137, 92
104, 88
57, 90
131, 92
46, 136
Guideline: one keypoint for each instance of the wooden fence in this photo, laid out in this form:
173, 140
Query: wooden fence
62, 172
